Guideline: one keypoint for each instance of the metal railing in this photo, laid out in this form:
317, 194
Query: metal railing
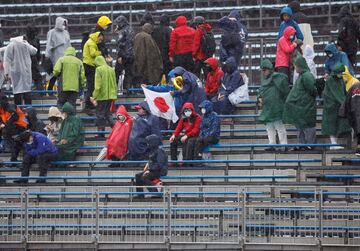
187, 215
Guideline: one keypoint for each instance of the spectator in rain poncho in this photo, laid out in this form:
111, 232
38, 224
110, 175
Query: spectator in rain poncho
17, 67
309, 56
273, 93
229, 83
300, 105
213, 78
348, 79
233, 40
55, 119
58, 39
287, 20
334, 95
334, 56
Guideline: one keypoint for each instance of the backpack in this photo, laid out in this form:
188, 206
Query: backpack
207, 43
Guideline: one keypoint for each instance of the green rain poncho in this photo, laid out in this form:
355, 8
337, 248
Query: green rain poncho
334, 96
273, 92
72, 130
300, 105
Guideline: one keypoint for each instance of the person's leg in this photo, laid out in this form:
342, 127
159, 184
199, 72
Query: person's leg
139, 182
310, 135
301, 136
189, 150
52, 82
270, 129
174, 148
147, 178
72, 97
90, 78
27, 98
43, 160
199, 145
281, 130
100, 116
28, 160
37, 78
18, 99
108, 116
197, 68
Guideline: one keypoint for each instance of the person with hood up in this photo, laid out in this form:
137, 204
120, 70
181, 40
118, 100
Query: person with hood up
12, 122
349, 34
209, 129
272, 94
161, 35
58, 39
156, 166
17, 68
125, 51
181, 44
300, 105
72, 77
350, 109
90, 52
34, 124
32, 37
348, 79
189, 122
102, 25
148, 62
309, 56
303, 21
53, 128
71, 134
191, 91
230, 82
234, 38
198, 54
147, 18
287, 21
334, 56
38, 149
334, 95
144, 125
105, 92
284, 49
213, 79
116, 145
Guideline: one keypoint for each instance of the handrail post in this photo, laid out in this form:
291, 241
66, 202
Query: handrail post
130, 15
261, 14
24, 202
243, 219
97, 218
329, 13
167, 239
319, 196
194, 9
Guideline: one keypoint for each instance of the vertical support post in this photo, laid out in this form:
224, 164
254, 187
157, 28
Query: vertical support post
261, 14
49, 19
167, 195
194, 9
97, 218
25, 229
261, 48
329, 13
251, 80
130, 17
243, 218
112, 17
320, 215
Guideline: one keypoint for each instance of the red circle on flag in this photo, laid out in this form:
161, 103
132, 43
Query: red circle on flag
161, 104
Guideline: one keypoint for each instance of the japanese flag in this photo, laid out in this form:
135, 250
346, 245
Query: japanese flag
161, 104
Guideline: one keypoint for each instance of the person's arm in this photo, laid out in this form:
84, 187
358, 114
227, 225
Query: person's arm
179, 127
214, 125
299, 33
82, 76
309, 85
196, 128
42, 145
160, 88
98, 82
93, 50
196, 43
285, 47
49, 45
57, 68
32, 50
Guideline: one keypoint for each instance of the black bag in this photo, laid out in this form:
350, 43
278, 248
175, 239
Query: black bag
207, 43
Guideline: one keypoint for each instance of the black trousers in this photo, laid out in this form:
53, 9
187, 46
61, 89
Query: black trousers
20, 97
8, 134
90, 82
67, 96
36, 76
103, 114
42, 160
129, 74
203, 142
52, 82
198, 67
187, 148
184, 60
144, 179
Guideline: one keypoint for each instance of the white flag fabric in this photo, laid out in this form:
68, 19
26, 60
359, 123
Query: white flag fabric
161, 104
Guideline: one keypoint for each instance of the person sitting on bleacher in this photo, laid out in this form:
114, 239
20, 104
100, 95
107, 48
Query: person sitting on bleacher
213, 78
38, 149
116, 145
71, 134
209, 129
190, 122
230, 82
144, 125
53, 128
192, 90
272, 95
12, 122
156, 166
334, 95
300, 105
34, 124
72, 77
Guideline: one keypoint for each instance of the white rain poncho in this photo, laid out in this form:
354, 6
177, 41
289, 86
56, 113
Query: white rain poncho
58, 40
309, 56
17, 64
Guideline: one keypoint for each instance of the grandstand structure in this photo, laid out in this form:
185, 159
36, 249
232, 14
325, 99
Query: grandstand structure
240, 198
